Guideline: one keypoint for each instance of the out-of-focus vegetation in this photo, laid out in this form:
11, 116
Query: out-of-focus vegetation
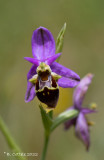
83, 52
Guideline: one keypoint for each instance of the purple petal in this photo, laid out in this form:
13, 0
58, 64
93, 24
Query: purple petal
31, 72
50, 60
32, 60
63, 71
69, 123
43, 44
30, 93
67, 82
82, 130
88, 110
81, 90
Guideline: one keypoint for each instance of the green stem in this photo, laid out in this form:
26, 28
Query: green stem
11, 143
46, 141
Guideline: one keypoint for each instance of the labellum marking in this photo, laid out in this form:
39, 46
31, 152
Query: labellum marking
46, 86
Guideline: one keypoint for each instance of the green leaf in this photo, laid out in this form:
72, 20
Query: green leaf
60, 39
66, 115
47, 121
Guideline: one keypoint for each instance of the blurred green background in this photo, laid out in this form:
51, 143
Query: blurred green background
83, 52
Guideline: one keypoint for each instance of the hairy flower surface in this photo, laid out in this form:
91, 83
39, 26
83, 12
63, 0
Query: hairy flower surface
46, 75
80, 122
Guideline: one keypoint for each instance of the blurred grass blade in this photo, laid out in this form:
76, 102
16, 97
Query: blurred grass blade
47, 121
60, 39
10, 141
66, 115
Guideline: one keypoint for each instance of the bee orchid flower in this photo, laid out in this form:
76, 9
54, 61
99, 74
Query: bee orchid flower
46, 75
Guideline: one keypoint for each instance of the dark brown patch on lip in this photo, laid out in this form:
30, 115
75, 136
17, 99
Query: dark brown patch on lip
48, 96
37, 85
54, 84
44, 75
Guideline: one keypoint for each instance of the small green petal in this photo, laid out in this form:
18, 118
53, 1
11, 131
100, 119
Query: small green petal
60, 39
